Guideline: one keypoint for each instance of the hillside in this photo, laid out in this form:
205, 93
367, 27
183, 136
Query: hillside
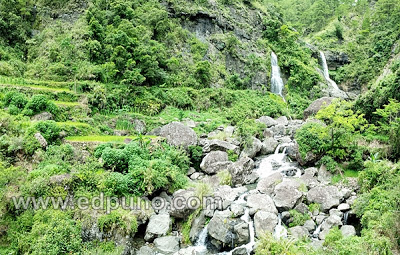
279, 119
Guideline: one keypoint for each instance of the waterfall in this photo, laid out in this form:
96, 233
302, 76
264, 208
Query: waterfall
326, 71
280, 231
276, 80
201, 241
345, 218
317, 231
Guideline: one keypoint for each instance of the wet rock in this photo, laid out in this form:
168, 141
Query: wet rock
242, 234
178, 134
265, 222
197, 226
220, 227
159, 225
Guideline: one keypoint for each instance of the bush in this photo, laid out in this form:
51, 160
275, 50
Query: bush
15, 99
38, 104
312, 137
297, 218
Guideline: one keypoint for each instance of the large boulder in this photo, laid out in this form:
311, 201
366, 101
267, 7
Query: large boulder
218, 145
178, 134
336, 59
240, 170
159, 225
348, 230
43, 116
268, 121
197, 226
42, 141
167, 244
283, 120
298, 232
214, 162
146, 250
287, 194
316, 106
220, 227
228, 194
326, 196
268, 146
267, 185
261, 202
265, 222
184, 211
252, 149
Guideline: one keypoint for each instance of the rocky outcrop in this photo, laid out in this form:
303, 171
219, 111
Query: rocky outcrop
326, 196
316, 106
159, 225
178, 134
214, 162
218, 145
261, 202
240, 169
287, 194
336, 59
265, 222
167, 244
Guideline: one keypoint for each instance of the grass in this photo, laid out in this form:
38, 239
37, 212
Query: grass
104, 138
346, 174
73, 124
37, 87
61, 103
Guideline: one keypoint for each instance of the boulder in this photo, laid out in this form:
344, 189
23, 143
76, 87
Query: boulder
268, 133
167, 244
252, 149
240, 169
42, 141
301, 208
331, 221
178, 134
344, 207
228, 194
241, 231
298, 232
265, 222
43, 116
218, 145
184, 212
336, 59
145, 250
139, 126
159, 225
220, 227
268, 146
317, 105
282, 121
197, 227
268, 121
324, 176
214, 162
267, 185
287, 194
310, 226
348, 230
261, 202
326, 196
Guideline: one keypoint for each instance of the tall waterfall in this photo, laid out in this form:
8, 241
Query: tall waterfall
276, 80
326, 71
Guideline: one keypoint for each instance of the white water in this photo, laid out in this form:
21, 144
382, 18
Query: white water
201, 241
317, 231
277, 162
280, 231
326, 71
276, 80
345, 218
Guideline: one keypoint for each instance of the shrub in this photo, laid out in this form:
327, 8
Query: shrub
225, 178
297, 218
38, 104
15, 99
312, 137
118, 219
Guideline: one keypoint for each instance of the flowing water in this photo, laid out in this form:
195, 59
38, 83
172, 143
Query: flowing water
276, 80
278, 162
280, 231
326, 71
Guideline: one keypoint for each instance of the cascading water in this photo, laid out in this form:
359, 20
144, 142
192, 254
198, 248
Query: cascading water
317, 231
280, 231
276, 80
278, 162
326, 71
201, 241
345, 218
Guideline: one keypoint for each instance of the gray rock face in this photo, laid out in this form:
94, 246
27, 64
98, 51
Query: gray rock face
331, 221
282, 121
348, 230
268, 121
145, 250
336, 59
214, 162
42, 141
241, 168
167, 244
267, 185
324, 176
43, 116
298, 232
287, 194
268, 146
197, 227
241, 231
178, 134
261, 202
310, 225
228, 194
265, 222
316, 106
182, 213
159, 225
218, 145
252, 150
220, 227
326, 196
